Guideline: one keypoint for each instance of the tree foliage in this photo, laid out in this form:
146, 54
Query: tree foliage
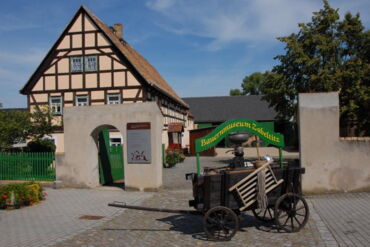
18, 126
235, 92
15, 127
327, 54
252, 85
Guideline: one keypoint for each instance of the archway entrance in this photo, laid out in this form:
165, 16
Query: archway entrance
82, 126
111, 162
109, 153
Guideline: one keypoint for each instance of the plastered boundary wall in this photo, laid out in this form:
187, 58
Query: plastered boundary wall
79, 167
332, 163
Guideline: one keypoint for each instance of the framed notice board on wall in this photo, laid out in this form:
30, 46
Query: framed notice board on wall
138, 143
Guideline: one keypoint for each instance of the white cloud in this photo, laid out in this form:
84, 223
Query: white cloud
224, 22
160, 5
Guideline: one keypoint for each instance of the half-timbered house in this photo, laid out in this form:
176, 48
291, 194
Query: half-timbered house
91, 64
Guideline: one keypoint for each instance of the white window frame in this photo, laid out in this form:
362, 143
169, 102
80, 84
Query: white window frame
87, 64
112, 143
54, 106
114, 102
73, 69
77, 103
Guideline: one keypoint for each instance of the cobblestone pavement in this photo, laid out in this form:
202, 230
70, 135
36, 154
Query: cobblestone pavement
335, 220
57, 218
346, 216
142, 228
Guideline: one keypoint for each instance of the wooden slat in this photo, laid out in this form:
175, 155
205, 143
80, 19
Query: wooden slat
247, 183
267, 191
247, 187
250, 175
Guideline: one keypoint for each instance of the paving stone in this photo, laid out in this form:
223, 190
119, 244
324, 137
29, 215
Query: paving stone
346, 217
143, 228
335, 220
56, 218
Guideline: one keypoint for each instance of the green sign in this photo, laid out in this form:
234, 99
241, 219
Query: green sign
235, 125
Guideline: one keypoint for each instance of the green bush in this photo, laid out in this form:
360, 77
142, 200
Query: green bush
172, 157
41, 146
17, 195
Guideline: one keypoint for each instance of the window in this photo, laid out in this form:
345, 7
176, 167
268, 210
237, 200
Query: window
91, 63
76, 64
113, 99
56, 104
115, 141
82, 100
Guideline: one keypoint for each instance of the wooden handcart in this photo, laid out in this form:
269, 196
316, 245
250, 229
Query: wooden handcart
222, 194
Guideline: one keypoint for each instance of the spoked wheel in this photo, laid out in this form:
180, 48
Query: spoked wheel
291, 212
265, 215
220, 223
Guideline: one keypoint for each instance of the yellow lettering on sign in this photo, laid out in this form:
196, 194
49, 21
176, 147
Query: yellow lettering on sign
250, 126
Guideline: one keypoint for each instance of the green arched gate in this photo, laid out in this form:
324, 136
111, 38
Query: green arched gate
235, 125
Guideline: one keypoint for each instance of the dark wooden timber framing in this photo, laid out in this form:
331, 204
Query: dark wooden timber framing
28, 102
126, 79
144, 88
56, 77
169, 116
34, 100
89, 97
83, 50
85, 89
87, 48
88, 72
74, 98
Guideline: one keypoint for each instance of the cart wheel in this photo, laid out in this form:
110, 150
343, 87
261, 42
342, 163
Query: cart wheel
291, 212
266, 215
220, 223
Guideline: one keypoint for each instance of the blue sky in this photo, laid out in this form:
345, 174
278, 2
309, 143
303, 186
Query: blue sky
201, 47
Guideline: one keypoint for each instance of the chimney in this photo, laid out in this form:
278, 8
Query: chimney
118, 30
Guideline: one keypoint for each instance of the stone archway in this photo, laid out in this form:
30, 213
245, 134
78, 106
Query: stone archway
110, 155
80, 164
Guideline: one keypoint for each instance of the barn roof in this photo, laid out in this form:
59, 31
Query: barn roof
222, 108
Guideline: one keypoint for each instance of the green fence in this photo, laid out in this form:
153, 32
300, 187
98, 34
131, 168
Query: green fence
27, 166
116, 162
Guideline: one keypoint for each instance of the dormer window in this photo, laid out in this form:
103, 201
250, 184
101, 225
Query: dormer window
76, 64
91, 63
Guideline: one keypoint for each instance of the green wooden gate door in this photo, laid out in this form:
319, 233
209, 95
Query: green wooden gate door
111, 165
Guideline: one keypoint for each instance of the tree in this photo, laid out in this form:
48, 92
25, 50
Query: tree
19, 126
325, 55
355, 77
235, 92
252, 85
42, 125
15, 127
